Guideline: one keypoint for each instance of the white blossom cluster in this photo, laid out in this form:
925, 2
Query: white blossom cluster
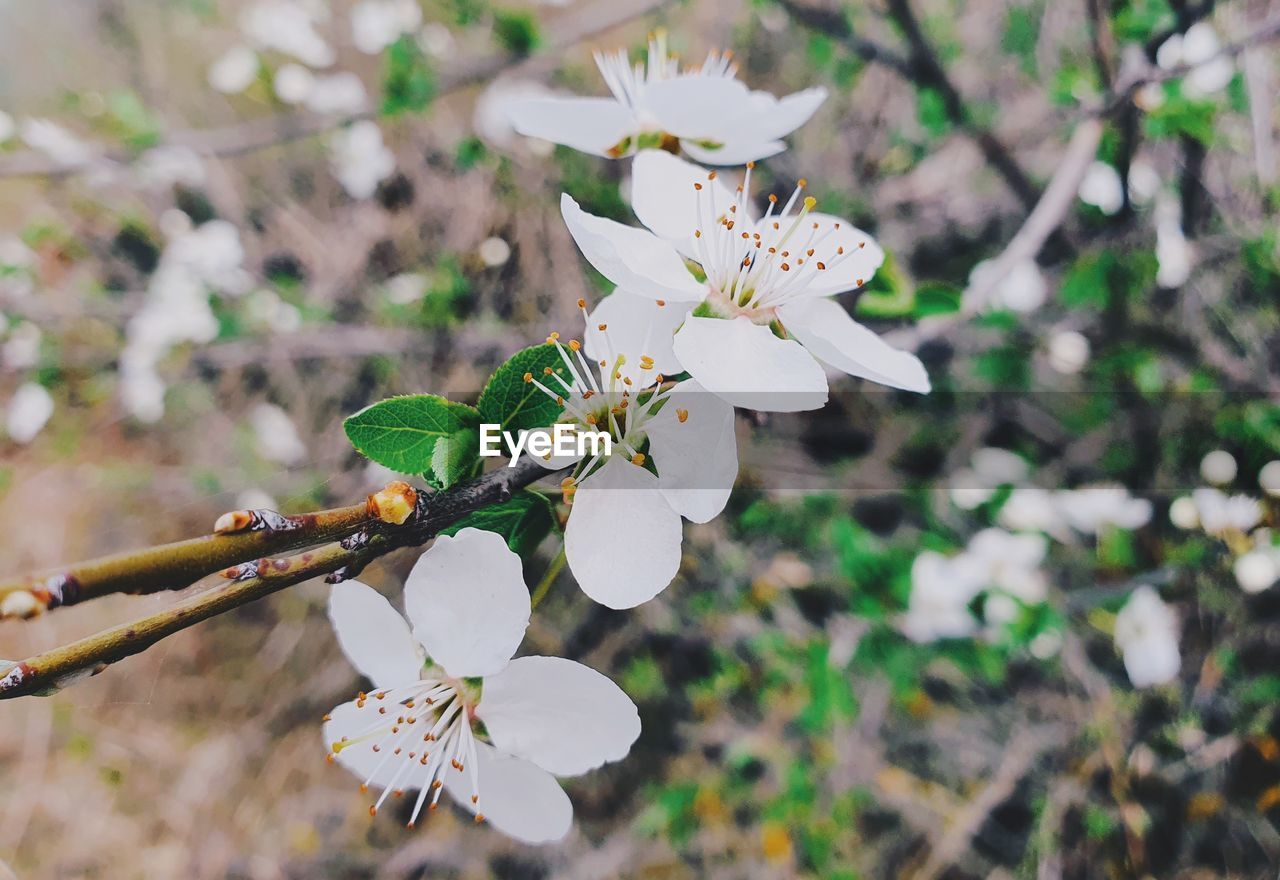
734, 292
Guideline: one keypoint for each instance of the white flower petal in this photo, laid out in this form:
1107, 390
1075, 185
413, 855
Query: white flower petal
697, 459
664, 198
591, 125
517, 797
771, 118
468, 602
695, 106
734, 153
563, 716
748, 366
827, 331
636, 325
629, 257
373, 635
855, 268
623, 539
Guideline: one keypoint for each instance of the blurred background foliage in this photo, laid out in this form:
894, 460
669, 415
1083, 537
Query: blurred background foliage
791, 729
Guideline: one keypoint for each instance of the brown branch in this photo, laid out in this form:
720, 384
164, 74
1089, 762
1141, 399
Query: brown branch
836, 23
46, 672
178, 565
268, 131
928, 71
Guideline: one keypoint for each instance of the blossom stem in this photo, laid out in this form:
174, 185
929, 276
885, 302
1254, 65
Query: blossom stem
544, 585
250, 581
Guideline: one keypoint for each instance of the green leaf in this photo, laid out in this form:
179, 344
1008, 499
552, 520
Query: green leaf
401, 433
936, 298
516, 31
523, 521
889, 293
454, 457
409, 83
508, 400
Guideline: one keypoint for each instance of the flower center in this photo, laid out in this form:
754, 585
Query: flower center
619, 400
419, 733
754, 266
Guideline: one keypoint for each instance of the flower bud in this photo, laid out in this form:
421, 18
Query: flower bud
21, 604
395, 503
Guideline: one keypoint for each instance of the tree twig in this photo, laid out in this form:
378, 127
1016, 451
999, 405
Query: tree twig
927, 70
836, 23
178, 565
251, 581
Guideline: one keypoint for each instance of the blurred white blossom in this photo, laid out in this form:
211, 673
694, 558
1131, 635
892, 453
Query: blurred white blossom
359, 159
1102, 188
208, 258
1031, 509
494, 251
1269, 478
1174, 256
1221, 514
1201, 50
293, 83
162, 167
492, 118
22, 348
55, 142
1257, 569
28, 412
1146, 633
1069, 352
941, 590
289, 26
339, 94
1093, 509
276, 435
1022, 289
1184, 514
1144, 181
234, 71
376, 24
989, 469
435, 39
1218, 467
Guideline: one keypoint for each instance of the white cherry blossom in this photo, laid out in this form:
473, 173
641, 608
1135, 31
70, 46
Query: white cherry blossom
29, 410
359, 158
376, 24
942, 589
674, 453
451, 711
1102, 188
1219, 467
1269, 478
1146, 633
1093, 509
234, 71
706, 110
1222, 515
1201, 50
989, 469
758, 322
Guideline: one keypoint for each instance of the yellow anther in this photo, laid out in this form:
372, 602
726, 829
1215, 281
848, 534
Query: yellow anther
661, 302
682, 416
711, 176
638, 458
528, 377
802, 183
582, 303
809, 202
602, 327
574, 345
547, 371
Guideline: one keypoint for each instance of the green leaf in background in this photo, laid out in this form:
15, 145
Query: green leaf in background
508, 400
409, 83
936, 298
401, 433
889, 294
523, 521
516, 31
